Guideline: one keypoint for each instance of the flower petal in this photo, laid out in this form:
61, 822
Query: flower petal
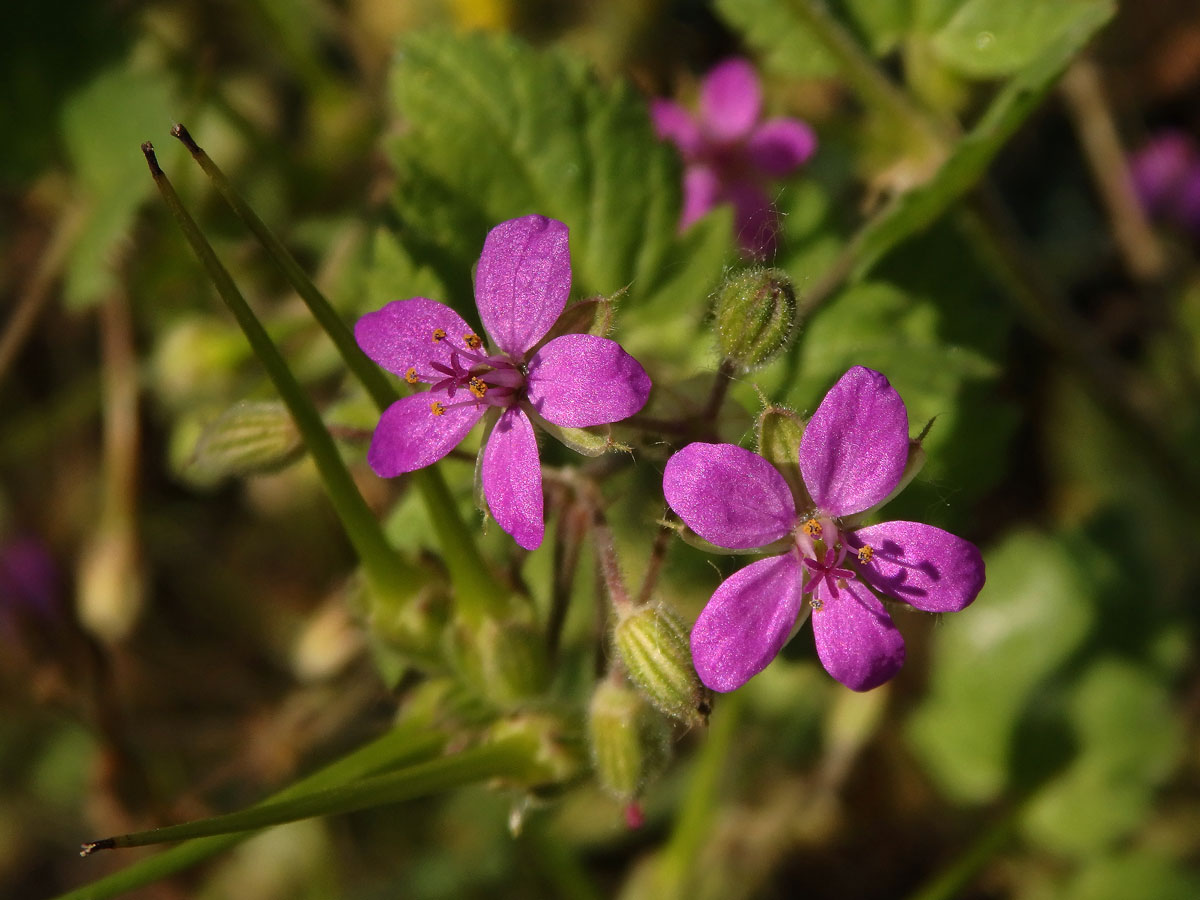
924, 566
701, 192
675, 124
409, 436
779, 146
747, 622
730, 100
400, 336
856, 444
578, 380
728, 495
522, 281
856, 640
755, 220
512, 479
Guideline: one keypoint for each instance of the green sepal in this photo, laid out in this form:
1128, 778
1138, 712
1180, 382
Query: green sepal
593, 441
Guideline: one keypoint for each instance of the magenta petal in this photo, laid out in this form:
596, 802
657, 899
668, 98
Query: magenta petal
747, 622
579, 380
409, 436
779, 146
400, 335
512, 479
730, 100
856, 445
856, 640
924, 566
728, 495
701, 192
522, 281
675, 124
755, 221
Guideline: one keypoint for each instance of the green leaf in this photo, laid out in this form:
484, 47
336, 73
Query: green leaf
970, 157
103, 126
987, 39
992, 662
1129, 740
1135, 873
494, 130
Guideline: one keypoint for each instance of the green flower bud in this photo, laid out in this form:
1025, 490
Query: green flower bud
630, 741
504, 661
246, 439
779, 431
653, 644
555, 751
755, 314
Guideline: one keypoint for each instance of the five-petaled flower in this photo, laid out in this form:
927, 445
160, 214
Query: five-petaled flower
573, 381
730, 156
852, 457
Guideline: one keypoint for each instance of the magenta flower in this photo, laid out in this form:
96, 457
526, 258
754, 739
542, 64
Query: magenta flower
730, 156
574, 381
852, 457
1166, 177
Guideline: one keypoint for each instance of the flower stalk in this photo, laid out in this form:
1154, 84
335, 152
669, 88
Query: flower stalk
386, 573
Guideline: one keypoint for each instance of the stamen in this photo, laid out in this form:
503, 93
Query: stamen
865, 553
411, 375
812, 528
816, 603
473, 340
477, 387
439, 335
438, 408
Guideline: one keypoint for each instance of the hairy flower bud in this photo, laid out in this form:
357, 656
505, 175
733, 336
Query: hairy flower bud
504, 661
247, 438
653, 644
630, 741
755, 314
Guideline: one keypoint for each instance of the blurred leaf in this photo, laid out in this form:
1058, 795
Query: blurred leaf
1132, 874
104, 125
987, 39
788, 47
991, 661
494, 130
970, 157
1128, 742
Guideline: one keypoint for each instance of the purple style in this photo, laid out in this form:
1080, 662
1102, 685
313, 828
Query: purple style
852, 457
730, 156
574, 380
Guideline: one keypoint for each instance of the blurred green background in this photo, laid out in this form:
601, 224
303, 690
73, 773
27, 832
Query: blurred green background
176, 642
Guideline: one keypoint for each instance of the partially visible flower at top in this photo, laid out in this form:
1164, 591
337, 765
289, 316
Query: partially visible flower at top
730, 156
1166, 177
852, 457
574, 381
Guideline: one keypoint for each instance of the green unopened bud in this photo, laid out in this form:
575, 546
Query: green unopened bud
653, 644
246, 439
555, 751
755, 314
630, 741
504, 661
779, 431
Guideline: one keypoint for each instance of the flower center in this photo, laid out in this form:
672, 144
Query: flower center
822, 552
492, 380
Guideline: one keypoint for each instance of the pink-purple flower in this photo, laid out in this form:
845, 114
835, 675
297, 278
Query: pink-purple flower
573, 381
730, 155
1166, 176
852, 457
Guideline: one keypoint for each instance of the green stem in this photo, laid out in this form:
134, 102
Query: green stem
386, 573
401, 746
468, 571
506, 758
952, 881
693, 827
